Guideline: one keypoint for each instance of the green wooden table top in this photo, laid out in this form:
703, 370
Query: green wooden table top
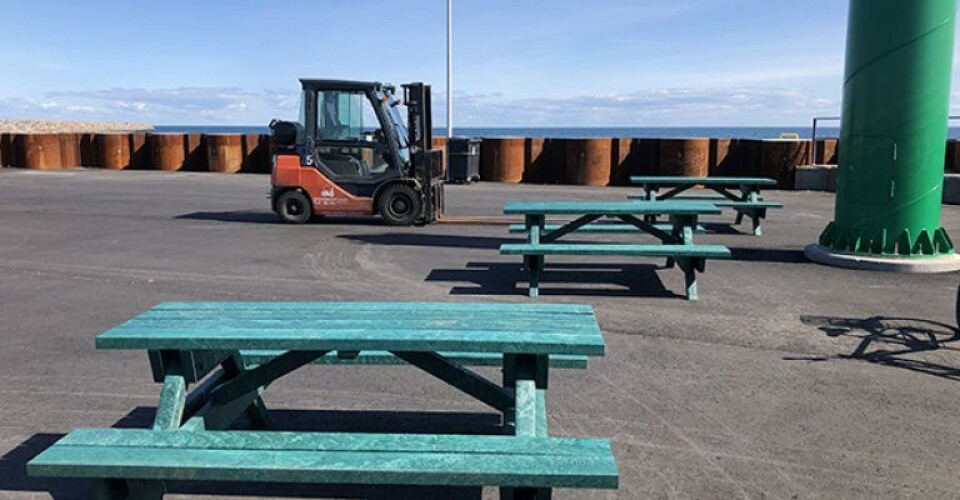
716, 181
611, 208
346, 326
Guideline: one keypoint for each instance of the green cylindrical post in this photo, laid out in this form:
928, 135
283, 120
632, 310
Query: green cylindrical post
896, 100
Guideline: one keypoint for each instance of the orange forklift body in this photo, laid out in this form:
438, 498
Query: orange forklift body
326, 196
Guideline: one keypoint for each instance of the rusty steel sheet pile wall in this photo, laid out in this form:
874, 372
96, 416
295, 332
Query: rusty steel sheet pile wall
140, 152
684, 157
533, 160
502, 160
588, 162
224, 153
70, 151
112, 151
779, 160
256, 154
39, 151
168, 152
827, 150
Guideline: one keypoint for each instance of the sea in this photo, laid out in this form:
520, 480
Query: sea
566, 132
570, 132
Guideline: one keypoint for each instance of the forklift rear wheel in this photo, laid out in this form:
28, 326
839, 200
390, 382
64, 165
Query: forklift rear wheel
400, 205
294, 207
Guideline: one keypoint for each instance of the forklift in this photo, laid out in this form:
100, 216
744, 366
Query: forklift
352, 153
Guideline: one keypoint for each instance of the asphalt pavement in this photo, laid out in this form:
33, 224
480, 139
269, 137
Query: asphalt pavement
787, 379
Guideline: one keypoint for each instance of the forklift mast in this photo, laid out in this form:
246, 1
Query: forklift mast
425, 163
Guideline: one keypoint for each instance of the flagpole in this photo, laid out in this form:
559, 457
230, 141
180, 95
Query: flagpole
449, 68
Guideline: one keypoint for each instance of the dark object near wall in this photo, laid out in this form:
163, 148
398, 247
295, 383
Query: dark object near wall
827, 150
256, 154
196, 153
140, 152
6, 150
464, 159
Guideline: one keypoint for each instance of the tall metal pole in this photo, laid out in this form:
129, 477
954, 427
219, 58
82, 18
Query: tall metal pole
449, 68
896, 99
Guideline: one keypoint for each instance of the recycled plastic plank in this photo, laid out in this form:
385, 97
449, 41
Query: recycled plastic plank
600, 228
447, 460
252, 358
611, 208
705, 251
718, 181
429, 327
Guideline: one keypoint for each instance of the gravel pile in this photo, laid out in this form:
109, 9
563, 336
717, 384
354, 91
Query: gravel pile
56, 127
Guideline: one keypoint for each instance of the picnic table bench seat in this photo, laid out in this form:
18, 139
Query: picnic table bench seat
720, 201
741, 194
145, 458
601, 228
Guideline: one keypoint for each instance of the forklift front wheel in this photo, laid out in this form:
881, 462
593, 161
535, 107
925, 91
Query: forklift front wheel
294, 207
400, 205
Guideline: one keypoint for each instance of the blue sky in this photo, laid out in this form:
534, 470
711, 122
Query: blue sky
517, 63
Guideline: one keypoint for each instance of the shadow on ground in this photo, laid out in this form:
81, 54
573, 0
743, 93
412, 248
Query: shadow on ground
911, 344
499, 278
263, 217
13, 477
785, 256
430, 240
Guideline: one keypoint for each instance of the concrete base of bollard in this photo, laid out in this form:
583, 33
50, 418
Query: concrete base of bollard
944, 264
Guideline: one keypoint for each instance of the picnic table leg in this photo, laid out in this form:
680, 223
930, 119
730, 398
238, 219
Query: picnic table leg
690, 277
257, 412
123, 489
529, 375
756, 217
534, 263
651, 191
536, 266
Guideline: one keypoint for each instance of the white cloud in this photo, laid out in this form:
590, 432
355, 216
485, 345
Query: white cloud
653, 107
704, 106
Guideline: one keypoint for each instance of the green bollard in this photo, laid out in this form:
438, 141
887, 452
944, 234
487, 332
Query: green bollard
896, 100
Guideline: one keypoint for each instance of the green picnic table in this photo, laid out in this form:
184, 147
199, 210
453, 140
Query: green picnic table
741, 194
196, 352
675, 238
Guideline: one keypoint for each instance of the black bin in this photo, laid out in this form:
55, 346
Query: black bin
463, 160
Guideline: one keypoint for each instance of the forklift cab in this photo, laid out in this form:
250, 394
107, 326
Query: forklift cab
354, 134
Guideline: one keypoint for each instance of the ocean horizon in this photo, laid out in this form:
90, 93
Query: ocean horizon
563, 132
569, 132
